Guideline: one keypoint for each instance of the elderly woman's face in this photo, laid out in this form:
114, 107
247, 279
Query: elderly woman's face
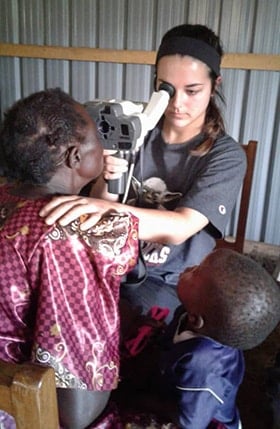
91, 151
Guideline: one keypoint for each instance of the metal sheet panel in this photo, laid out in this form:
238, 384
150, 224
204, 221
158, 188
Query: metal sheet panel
83, 75
252, 98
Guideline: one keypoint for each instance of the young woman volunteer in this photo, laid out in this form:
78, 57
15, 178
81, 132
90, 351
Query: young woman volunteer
184, 189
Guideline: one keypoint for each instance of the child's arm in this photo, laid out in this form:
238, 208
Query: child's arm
197, 404
205, 377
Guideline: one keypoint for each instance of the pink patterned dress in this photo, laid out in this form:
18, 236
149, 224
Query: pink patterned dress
60, 292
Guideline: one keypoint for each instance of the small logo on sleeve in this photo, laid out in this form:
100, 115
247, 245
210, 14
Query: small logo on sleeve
222, 209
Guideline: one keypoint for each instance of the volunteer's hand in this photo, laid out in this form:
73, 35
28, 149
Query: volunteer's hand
113, 167
65, 209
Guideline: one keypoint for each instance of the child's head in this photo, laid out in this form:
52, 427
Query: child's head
230, 298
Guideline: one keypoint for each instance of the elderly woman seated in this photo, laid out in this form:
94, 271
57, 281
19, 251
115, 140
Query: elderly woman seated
60, 285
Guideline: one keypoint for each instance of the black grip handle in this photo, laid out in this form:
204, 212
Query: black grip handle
117, 186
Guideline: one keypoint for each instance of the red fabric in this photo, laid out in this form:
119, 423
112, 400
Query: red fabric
135, 345
216, 425
60, 292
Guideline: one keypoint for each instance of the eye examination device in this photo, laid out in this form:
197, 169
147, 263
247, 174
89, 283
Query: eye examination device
123, 125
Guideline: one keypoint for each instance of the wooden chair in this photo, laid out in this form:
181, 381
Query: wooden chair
28, 393
237, 243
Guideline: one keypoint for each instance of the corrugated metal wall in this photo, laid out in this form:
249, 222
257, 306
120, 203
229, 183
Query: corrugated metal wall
252, 110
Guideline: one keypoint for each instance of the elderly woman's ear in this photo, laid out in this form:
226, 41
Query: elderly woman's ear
72, 156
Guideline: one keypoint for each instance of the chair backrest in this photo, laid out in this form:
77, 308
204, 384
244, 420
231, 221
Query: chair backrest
28, 393
238, 242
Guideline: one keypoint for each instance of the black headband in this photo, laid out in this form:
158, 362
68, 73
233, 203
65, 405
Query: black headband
194, 48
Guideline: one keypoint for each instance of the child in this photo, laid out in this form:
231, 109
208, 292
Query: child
230, 304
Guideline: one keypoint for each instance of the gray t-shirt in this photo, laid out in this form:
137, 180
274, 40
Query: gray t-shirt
167, 176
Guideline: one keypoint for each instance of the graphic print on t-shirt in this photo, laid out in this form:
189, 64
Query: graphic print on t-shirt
153, 193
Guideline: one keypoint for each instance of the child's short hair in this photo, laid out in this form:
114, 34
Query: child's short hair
244, 307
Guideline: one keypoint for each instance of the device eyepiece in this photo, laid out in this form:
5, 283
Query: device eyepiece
168, 88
